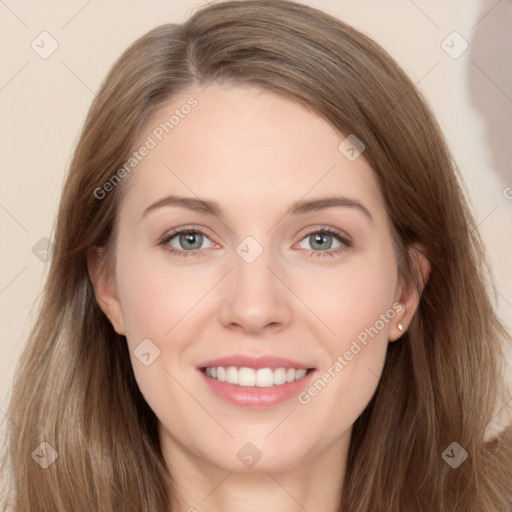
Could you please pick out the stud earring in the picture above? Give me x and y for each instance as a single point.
(400, 327)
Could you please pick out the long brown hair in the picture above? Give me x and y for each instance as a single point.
(442, 382)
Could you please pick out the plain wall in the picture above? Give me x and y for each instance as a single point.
(43, 103)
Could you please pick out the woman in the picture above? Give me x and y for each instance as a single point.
(325, 342)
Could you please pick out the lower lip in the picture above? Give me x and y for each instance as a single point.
(251, 397)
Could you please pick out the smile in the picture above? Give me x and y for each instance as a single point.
(249, 377)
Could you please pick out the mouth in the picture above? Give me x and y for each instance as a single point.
(252, 377)
(256, 388)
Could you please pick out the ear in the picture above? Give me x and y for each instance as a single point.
(408, 295)
(105, 289)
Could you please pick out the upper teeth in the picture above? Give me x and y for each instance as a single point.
(262, 378)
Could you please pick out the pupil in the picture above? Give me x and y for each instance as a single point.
(321, 240)
(191, 238)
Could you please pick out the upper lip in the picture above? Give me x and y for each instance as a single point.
(241, 360)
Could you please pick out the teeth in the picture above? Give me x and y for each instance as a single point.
(262, 378)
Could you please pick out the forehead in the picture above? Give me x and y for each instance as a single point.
(244, 147)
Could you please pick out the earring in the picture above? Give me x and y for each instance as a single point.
(400, 327)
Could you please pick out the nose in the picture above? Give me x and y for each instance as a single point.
(255, 296)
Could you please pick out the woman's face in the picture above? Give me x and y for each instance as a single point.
(267, 269)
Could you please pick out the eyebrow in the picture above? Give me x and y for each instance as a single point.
(209, 207)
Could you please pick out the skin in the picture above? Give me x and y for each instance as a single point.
(255, 153)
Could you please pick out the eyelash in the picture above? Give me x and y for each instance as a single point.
(339, 235)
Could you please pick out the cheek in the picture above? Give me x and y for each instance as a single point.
(154, 301)
(359, 309)
(154, 297)
(356, 298)
(146, 306)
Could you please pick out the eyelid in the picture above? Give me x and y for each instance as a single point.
(344, 238)
(171, 233)
(319, 228)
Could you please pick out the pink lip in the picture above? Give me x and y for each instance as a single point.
(254, 397)
(255, 363)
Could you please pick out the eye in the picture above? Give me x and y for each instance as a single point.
(185, 242)
(189, 242)
(321, 242)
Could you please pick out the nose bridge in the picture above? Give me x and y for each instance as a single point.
(251, 261)
(255, 297)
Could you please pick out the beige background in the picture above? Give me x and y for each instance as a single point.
(43, 103)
